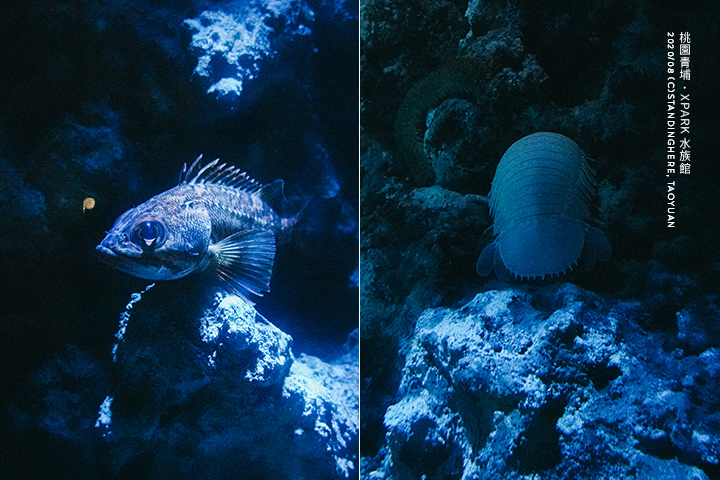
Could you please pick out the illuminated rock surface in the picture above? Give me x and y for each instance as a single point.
(596, 73)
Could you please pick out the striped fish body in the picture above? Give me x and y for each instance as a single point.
(216, 218)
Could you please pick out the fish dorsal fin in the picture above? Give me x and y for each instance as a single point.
(215, 174)
(244, 261)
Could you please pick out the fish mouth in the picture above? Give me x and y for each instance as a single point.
(108, 256)
(105, 252)
(150, 268)
(114, 259)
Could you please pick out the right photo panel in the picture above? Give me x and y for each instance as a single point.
(539, 240)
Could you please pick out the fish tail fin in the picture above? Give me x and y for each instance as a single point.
(273, 194)
(287, 222)
(289, 213)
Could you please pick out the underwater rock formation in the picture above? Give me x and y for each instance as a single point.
(247, 404)
(233, 41)
(221, 394)
(325, 399)
(595, 73)
(240, 339)
(556, 382)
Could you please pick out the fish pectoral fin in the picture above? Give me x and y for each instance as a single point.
(244, 261)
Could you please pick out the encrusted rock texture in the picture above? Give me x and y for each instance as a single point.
(552, 381)
(602, 386)
(201, 388)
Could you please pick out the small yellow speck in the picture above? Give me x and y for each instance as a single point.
(88, 204)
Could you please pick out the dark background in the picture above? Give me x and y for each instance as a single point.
(595, 72)
(99, 99)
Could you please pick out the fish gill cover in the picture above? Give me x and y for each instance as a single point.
(104, 102)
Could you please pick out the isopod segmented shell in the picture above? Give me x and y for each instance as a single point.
(540, 202)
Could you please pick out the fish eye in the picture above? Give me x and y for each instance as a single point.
(149, 234)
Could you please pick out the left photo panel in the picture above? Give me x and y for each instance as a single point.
(179, 202)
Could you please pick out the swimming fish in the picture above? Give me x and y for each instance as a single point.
(216, 218)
